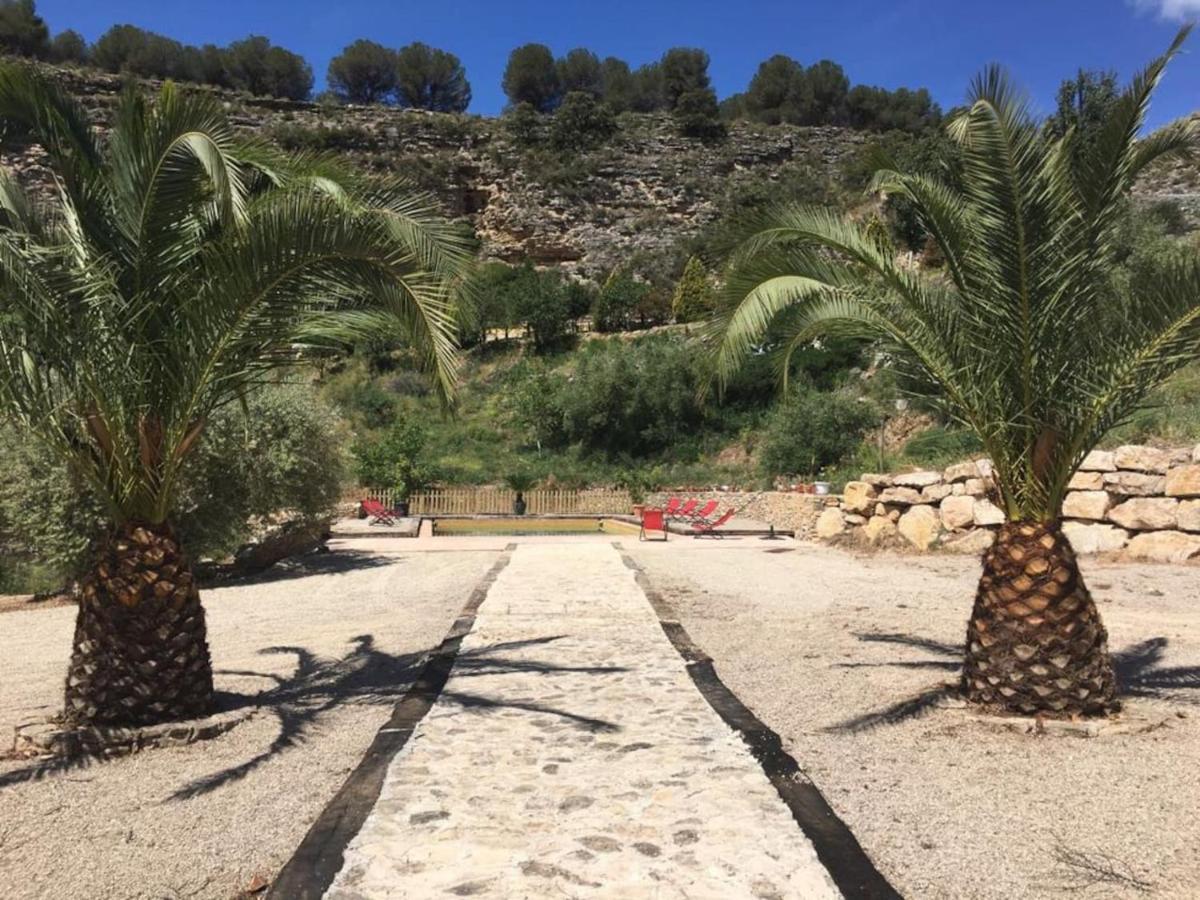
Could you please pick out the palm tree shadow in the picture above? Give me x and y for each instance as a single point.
(304, 701)
(314, 563)
(1138, 669)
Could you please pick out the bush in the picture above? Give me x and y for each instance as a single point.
(523, 125)
(939, 446)
(693, 298)
(697, 115)
(617, 303)
(533, 400)
(376, 406)
(632, 399)
(47, 515)
(285, 455)
(396, 461)
(291, 136)
(810, 430)
(581, 123)
(22, 31)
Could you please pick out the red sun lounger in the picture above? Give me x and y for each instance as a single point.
(701, 515)
(673, 505)
(653, 520)
(685, 511)
(379, 514)
(709, 529)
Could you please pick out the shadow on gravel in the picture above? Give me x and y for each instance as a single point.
(366, 675)
(329, 562)
(1139, 674)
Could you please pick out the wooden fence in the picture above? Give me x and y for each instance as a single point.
(499, 501)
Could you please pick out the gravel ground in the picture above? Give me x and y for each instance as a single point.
(331, 645)
(950, 805)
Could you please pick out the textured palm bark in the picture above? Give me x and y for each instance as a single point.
(140, 654)
(1035, 643)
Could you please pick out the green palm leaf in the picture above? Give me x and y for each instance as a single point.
(179, 265)
(1024, 333)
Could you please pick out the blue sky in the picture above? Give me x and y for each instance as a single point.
(937, 44)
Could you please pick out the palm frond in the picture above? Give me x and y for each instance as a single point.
(1030, 340)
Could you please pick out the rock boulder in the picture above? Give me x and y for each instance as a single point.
(1146, 513)
(1164, 546)
(919, 526)
(1086, 505)
(1089, 538)
(1142, 459)
(1183, 481)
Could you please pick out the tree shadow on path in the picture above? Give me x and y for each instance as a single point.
(303, 701)
(1139, 670)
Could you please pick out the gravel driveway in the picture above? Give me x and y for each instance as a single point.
(325, 650)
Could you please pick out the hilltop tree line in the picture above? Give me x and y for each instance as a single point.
(783, 90)
(417, 76)
(253, 64)
(425, 77)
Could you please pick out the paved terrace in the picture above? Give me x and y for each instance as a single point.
(571, 755)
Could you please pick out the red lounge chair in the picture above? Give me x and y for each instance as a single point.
(379, 514)
(709, 529)
(702, 514)
(685, 511)
(673, 505)
(653, 520)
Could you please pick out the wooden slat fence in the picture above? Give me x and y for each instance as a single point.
(499, 501)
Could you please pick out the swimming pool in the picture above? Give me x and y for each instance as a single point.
(445, 526)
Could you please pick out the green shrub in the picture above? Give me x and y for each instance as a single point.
(810, 430)
(47, 515)
(377, 406)
(533, 400)
(291, 136)
(282, 453)
(694, 296)
(697, 115)
(617, 303)
(632, 398)
(397, 461)
(581, 123)
(524, 125)
(939, 446)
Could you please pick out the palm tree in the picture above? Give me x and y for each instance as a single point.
(172, 267)
(1029, 338)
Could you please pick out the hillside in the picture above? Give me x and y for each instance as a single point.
(645, 191)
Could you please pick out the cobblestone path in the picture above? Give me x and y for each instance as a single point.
(570, 755)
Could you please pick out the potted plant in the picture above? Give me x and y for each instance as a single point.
(638, 484)
(520, 482)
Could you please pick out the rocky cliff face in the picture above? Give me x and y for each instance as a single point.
(643, 192)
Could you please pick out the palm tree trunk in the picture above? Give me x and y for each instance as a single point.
(1035, 643)
(141, 653)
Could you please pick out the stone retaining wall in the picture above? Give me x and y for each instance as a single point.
(786, 510)
(1142, 502)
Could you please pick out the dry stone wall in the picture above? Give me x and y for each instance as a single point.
(1141, 502)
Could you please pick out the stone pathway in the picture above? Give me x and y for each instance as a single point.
(570, 755)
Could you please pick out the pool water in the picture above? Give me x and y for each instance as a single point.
(531, 525)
